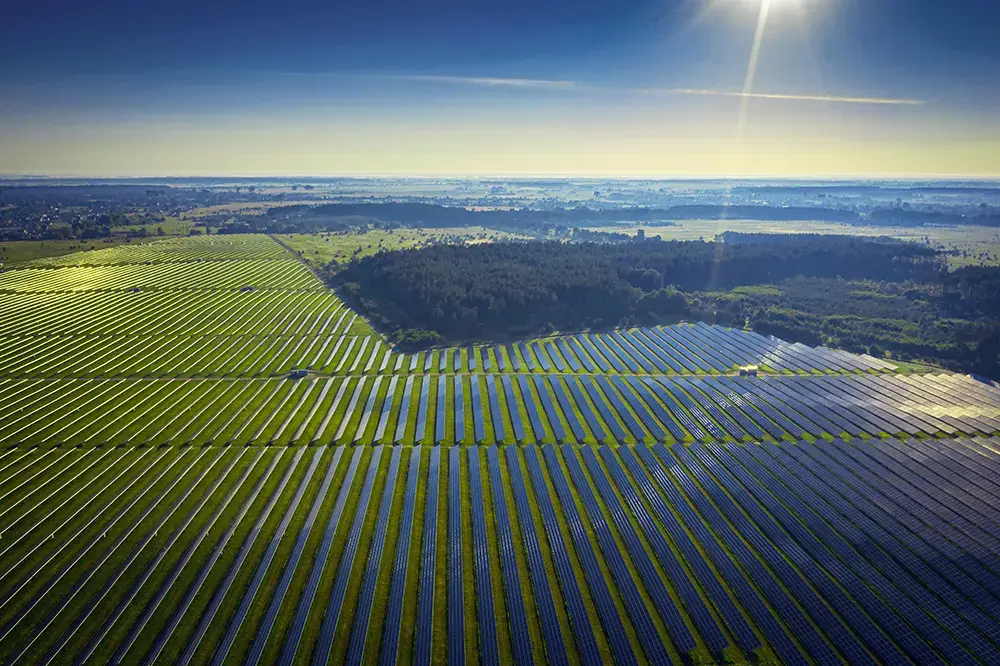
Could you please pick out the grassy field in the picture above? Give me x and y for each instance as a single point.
(965, 245)
(323, 248)
(16, 252)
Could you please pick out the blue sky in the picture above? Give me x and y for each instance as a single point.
(116, 87)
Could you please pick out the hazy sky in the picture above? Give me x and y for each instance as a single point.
(842, 87)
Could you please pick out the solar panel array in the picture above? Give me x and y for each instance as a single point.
(872, 551)
(168, 495)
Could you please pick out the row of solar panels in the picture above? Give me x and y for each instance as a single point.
(831, 591)
(872, 551)
(681, 349)
(645, 409)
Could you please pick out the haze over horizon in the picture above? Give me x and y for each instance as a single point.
(842, 89)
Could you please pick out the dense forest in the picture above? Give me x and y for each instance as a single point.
(873, 295)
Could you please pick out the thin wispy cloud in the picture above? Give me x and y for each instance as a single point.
(554, 84)
(494, 82)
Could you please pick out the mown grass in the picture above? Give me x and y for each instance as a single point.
(15, 252)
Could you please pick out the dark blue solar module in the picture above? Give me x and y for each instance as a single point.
(397, 586)
(529, 361)
(550, 410)
(422, 406)
(803, 554)
(650, 402)
(553, 354)
(574, 365)
(537, 427)
(974, 581)
(846, 642)
(703, 620)
(640, 409)
(567, 407)
(236, 621)
(520, 637)
(599, 359)
(211, 610)
(611, 621)
(653, 358)
(555, 650)
(659, 390)
(294, 633)
(542, 357)
(478, 419)
(574, 344)
(404, 411)
(628, 352)
(649, 638)
(512, 408)
(383, 419)
(677, 395)
(456, 594)
(738, 581)
(679, 632)
(863, 523)
(515, 362)
(459, 404)
(496, 415)
(335, 604)
(819, 538)
(187, 597)
(723, 415)
(424, 631)
(366, 597)
(486, 620)
(501, 362)
(609, 418)
(599, 342)
(704, 575)
(588, 414)
(440, 421)
(776, 592)
(281, 589)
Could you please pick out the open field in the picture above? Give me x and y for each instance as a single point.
(17, 252)
(168, 495)
(323, 248)
(966, 245)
